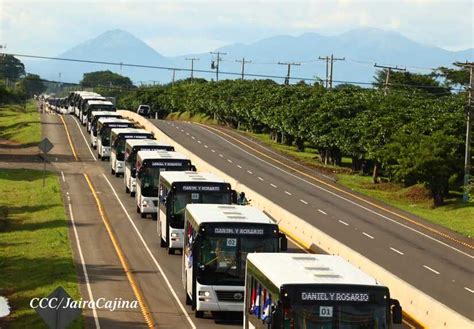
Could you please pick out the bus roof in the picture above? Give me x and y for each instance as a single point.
(293, 268)
(118, 131)
(99, 102)
(144, 142)
(171, 177)
(106, 114)
(160, 155)
(110, 119)
(215, 213)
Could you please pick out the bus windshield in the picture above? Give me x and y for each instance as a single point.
(350, 316)
(222, 258)
(180, 200)
(105, 136)
(119, 147)
(150, 177)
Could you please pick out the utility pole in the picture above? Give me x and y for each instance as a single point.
(174, 74)
(387, 78)
(192, 66)
(332, 64)
(243, 61)
(467, 154)
(216, 65)
(287, 79)
(326, 81)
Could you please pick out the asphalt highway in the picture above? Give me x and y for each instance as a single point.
(436, 261)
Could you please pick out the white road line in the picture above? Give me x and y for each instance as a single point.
(322, 212)
(368, 235)
(206, 146)
(432, 270)
(229, 160)
(273, 185)
(239, 166)
(287, 192)
(342, 222)
(187, 134)
(85, 140)
(62, 176)
(221, 155)
(397, 251)
(302, 201)
(170, 287)
(199, 142)
(213, 151)
(193, 137)
(260, 178)
(182, 130)
(84, 269)
(251, 173)
(470, 290)
(341, 197)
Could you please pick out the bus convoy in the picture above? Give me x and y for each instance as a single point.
(233, 256)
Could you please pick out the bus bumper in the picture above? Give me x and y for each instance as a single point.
(176, 238)
(147, 205)
(207, 298)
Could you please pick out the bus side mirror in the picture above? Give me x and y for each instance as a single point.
(193, 168)
(233, 196)
(396, 311)
(283, 241)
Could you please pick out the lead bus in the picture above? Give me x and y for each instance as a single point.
(216, 243)
(118, 137)
(104, 127)
(179, 188)
(132, 146)
(149, 166)
(300, 291)
(96, 115)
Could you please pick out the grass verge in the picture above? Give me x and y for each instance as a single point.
(20, 125)
(455, 215)
(35, 251)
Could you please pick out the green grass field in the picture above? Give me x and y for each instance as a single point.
(35, 251)
(20, 125)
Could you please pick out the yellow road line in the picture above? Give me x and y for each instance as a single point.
(73, 149)
(131, 279)
(432, 230)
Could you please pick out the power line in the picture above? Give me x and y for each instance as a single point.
(192, 65)
(243, 61)
(287, 78)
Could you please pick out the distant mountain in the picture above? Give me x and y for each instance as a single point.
(360, 47)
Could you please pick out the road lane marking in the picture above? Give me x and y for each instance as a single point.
(251, 173)
(344, 192)
(229, 160)
(322, 212)
(84, 269)
(62, 176)
(470, 290)
(193, 137)
(199, 142)
(71, 145)
(302, 201)
(182, 130)
(368, 235)
(260, 178)
(288, 193)
(160, 269)
(206, 146)
(221, 155)
(85, 140)
(397, 251)
(239, 166)
(273, 185)
(123, 260)
(187, 134)
(213, 151)
(343, 222)
(430, 269)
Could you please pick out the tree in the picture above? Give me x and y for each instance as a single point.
(105, 79)
(31, 85)
(11, 68)
(453, 77)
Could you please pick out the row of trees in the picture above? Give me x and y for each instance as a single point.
(415, 134)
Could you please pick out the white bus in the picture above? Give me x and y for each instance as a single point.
(96, 106)
(217, 239)
(84, 98)
(118, 137)
(314, 291)
(179, 188)
(95, 115)
(132, 147)
(149, 165)
(104, 126)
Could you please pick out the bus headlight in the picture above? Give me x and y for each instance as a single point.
(134, 183)
(174, 235)
(119, 164)
(144, 203)
(204, 293)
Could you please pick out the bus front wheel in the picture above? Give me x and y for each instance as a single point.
(171, 251)
(199, 314)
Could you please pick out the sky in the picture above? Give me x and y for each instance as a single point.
(48, 28)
